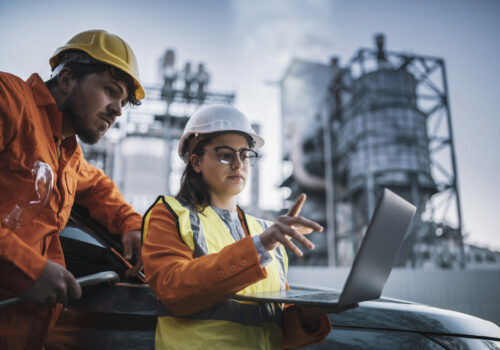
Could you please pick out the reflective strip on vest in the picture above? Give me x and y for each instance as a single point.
(234, 311)
(279, 253)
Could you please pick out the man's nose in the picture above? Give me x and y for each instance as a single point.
(115, 109)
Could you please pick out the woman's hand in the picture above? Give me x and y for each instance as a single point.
(290, 226)
(310, 315)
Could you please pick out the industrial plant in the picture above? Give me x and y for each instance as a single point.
(381, 120)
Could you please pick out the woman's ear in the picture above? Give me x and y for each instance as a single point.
(195, 162)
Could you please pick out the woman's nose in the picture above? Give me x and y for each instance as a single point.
(237, 163)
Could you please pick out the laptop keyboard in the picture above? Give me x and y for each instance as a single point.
(316, 296)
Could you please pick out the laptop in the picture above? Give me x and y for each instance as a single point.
(372, 264)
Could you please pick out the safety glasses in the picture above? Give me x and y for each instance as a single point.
(227, 155)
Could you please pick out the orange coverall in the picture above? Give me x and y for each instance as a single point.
(30, 130)
(185, 284)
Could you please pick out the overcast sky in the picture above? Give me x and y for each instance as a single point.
(247, 45)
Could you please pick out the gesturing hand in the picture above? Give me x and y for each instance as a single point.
(290, 226)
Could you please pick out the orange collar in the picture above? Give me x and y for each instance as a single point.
(44, 98)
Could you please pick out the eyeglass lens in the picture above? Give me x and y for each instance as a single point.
(227, 155)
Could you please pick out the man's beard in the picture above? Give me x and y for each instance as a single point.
(70, 110)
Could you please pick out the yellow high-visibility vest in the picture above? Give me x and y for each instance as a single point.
(231, 324)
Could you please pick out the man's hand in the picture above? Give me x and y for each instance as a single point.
(55, 285)
(131, 241)
(290, 226)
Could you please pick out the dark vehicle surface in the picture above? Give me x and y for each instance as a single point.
(123, 316)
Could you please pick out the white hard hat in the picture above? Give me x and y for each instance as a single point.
(216, 118)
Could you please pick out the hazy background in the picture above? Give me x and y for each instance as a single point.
(247, 45)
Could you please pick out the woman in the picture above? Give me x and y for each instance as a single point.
(200, 247)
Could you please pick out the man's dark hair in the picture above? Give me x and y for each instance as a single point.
(80, 70)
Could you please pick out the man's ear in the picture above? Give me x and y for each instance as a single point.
(195, 162)
(66, 80)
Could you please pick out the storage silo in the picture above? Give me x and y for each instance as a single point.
(381, 142)
(383, 120)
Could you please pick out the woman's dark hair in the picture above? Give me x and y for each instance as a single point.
(194, 190)
(80, 70)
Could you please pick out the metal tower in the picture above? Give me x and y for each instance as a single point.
(383, 121)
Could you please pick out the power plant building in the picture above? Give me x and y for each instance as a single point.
(382, 120)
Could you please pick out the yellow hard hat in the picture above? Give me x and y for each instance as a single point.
(106, 48)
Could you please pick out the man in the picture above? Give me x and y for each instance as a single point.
(43, 172)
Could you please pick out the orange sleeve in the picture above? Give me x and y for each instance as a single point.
(295, 336)
(20, 265)
(97, 192)
(10, 107)
(185, 284)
